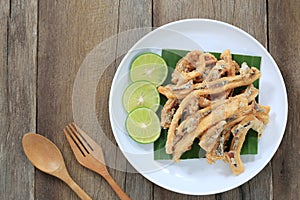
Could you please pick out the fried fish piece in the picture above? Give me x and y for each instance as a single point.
(247, 76)
(193, 66)
(168, 112)
(239, 132)
(177, 130)
(225, 111)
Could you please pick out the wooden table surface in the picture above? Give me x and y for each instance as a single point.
(43, 44)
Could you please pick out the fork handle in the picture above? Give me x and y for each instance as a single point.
(119, 191)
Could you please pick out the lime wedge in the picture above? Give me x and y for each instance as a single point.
(150, 67)
(141, 94)
(143, 125)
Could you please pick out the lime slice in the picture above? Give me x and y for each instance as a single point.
(141, 94)
(150, 67)
(143, 125)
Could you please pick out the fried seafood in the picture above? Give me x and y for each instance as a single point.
(168, 111)
(246, 77)
(194, 66)
(201, 104)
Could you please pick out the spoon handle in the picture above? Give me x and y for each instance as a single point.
(76, 188)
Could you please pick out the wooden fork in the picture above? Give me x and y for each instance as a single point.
(89, 154)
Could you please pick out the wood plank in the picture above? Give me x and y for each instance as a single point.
(131, 28)
(58, 62)
(68, 30)
(233, 12)
(284, 20)
(161, 193)
(18, 39)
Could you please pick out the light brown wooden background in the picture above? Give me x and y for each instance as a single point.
(42, 44)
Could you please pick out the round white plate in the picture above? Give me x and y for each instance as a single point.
(196, 176)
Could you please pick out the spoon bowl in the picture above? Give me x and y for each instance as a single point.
(45, 156)
(42, 153)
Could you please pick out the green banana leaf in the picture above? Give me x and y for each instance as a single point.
(250, 146)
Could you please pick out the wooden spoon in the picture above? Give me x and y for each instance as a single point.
(45, 156)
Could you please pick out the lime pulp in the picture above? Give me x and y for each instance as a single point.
(143, 125)
(141, 94)
(150, 67)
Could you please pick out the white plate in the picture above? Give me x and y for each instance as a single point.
(196, 176)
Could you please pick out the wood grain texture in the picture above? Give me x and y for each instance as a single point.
(42, 45)
(284, 45)
(18, 40)
(236, 13)
(242, 13)
(131, 27)
(68, 30)
(135, 17)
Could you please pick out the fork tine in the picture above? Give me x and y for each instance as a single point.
(76, 147)
(77, 152)
(97, 150)
(89, 141)
(78, 137)
(82, 136)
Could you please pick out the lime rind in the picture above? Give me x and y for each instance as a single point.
(143, 125)
(146, 140)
